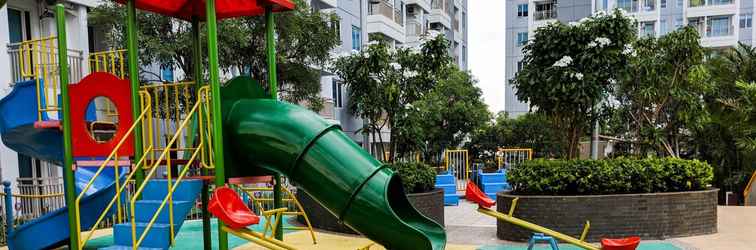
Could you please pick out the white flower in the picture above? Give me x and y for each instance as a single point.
(374, 77)
(612, 81)
(599, 13)
(371, 43)
(577, 75)
(408, 106)
(628, 51)
(564, 62)
(583, 20)
(354, 52)
(410, 74)
(603, 41)
(573, 23)
(592, 44)
(396, 66)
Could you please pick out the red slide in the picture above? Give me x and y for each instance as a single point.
(474, 194)
(629, 243)
(229, 208)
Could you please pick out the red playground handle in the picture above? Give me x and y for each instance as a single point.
(229, 208)
(629, 243)
(473, 193)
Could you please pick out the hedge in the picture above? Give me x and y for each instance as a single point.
(612, 176)
(416, 177)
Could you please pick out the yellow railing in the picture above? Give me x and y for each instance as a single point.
(144, 120)
(113, 62)
(747, 190)
(263, 202)
(513, 156)
(460, 160)
(197, 111)
(172, 102)
(38, 60)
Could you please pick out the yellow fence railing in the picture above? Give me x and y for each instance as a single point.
(458, 162)
(112, 61)
(183, 129)
(747, 191)
(38, 60)
(112, 160)
(263, 199)
(513, 156)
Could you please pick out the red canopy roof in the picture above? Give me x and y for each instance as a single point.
(185, 9)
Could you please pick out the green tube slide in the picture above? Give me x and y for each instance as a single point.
(268, 135)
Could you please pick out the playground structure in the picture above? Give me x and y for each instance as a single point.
(474, 194)
(144, 157)
(510, 157)
(457, 163)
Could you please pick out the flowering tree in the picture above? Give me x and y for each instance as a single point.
(568, 69)
(383, 82)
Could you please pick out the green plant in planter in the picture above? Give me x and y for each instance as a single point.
(416, 177)
(613, 176)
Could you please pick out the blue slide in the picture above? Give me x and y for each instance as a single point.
(18, 112)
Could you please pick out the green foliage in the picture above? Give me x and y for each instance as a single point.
(615, 176)
(444, 117)
(568, 70)
(531, 130)
(241, 45)
(416, 177)
(661, 99)
(384, 84)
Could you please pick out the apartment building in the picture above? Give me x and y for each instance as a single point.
(721, 23)
(400, 23)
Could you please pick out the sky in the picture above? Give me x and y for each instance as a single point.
(486, 46)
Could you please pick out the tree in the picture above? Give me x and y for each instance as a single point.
(444, 117)
(728, 139)
(531, 130)
(241, 45)
(661, 97)
(382, 82)
(568, 70)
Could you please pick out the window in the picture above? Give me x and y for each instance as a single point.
(166, 73)
(464, 20)
(519, 65)
(663, 27)
(647, 29)
(337, 90)
(746, 21)
(522, 10)
(18, 25)
(627, 5)
(464, 53)
(356, 38)
(679, 3)
(678, 23)
(719, 2)
(336, 26)
(718, 26)
(522, 38)
(663, 4)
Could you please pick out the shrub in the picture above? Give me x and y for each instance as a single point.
(416, 177)
(613, 176)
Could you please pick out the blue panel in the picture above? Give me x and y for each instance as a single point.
(20, 107)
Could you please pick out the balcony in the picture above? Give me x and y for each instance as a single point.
(423, 4)
(324, 4)
(704, 3)
(715, 31)
(414, 28)
(385, 9)
(455, 24)
(545, 11)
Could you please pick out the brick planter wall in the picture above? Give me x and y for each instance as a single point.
(431, 204)
(650, 216)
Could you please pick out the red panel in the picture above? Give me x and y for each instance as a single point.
(118, 91)
(185, 9)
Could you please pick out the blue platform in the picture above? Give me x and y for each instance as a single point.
(491, 183)
(159, 235)
(448, 183)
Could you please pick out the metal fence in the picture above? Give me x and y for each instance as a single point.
(18, 63)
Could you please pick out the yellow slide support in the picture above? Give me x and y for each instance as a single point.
(509, 218)
(262, 202)
(747, 191)
(260, 238)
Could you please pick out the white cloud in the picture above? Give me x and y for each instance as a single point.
(486, 49)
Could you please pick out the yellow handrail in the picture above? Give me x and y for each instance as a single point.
(747, 190)
(197, 109)
(292, 199)
(112, 61)
(38, 60)
(113, 156)
(501, 158)
(459, 153)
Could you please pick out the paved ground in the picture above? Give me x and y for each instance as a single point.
(737, 230)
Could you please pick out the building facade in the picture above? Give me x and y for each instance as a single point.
(721, 23)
